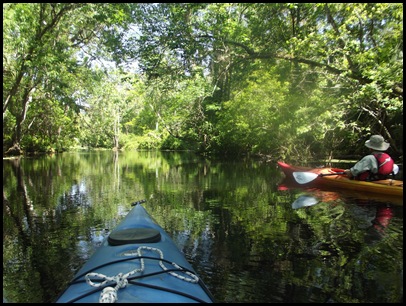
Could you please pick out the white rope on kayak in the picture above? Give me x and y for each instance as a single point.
(109, 294)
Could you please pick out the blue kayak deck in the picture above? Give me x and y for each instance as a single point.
(153, 270)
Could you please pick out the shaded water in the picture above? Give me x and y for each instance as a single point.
(232, 219)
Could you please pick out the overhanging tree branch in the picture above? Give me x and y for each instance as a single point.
(355, 75)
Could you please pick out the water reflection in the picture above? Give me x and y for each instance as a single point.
(236, 227)
(304, 201)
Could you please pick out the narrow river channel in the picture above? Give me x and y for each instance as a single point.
(250, 238)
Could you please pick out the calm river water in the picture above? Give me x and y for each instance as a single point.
(244, 232)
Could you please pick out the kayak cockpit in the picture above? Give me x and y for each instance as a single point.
(134, 235)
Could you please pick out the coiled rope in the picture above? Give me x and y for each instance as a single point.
(109, 294)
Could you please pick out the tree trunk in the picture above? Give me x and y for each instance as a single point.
(15, 149)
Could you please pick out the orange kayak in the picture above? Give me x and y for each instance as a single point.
(334, 177)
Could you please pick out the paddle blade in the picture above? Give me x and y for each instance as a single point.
(304, 177)
(395, 169)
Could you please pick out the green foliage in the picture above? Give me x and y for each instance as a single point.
(267, 117)
(9, 122)
(149, 141)
(327, 53)
(177, 107)
(113, 106)
(49, 127)
(303, 79)
(247, 121)
(173, 143)
(42, 41)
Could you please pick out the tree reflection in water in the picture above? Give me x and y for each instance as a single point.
(234, 225)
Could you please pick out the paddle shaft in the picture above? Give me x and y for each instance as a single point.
(326, 174)
(306, 177)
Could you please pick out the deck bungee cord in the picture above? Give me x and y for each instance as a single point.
(104, 283)
(130, 267)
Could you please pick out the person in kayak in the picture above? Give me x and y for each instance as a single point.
(375, 166)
